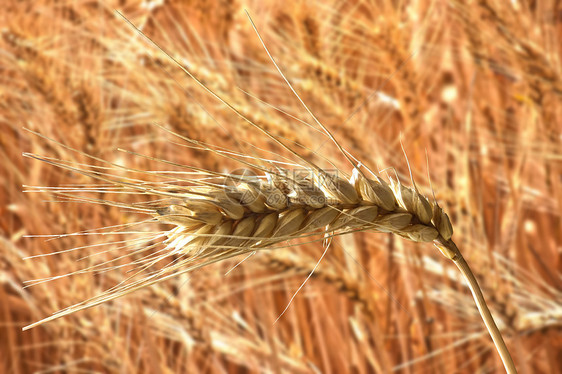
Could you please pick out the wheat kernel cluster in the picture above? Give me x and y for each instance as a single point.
(255, 212)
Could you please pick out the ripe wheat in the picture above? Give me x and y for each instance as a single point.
(218, 216)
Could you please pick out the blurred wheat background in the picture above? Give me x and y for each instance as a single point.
(477, 84)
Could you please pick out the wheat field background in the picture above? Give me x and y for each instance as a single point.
(477, 84)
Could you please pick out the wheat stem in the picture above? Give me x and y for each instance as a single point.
(450, 250)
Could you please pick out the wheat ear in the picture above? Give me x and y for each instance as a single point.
(221, 216)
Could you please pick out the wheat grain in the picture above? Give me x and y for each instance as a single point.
(262, 213)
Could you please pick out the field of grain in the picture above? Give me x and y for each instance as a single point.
(477, 86)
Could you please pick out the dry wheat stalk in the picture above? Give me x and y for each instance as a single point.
(218, 216)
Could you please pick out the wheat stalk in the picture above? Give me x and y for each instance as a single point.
(219, 216)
